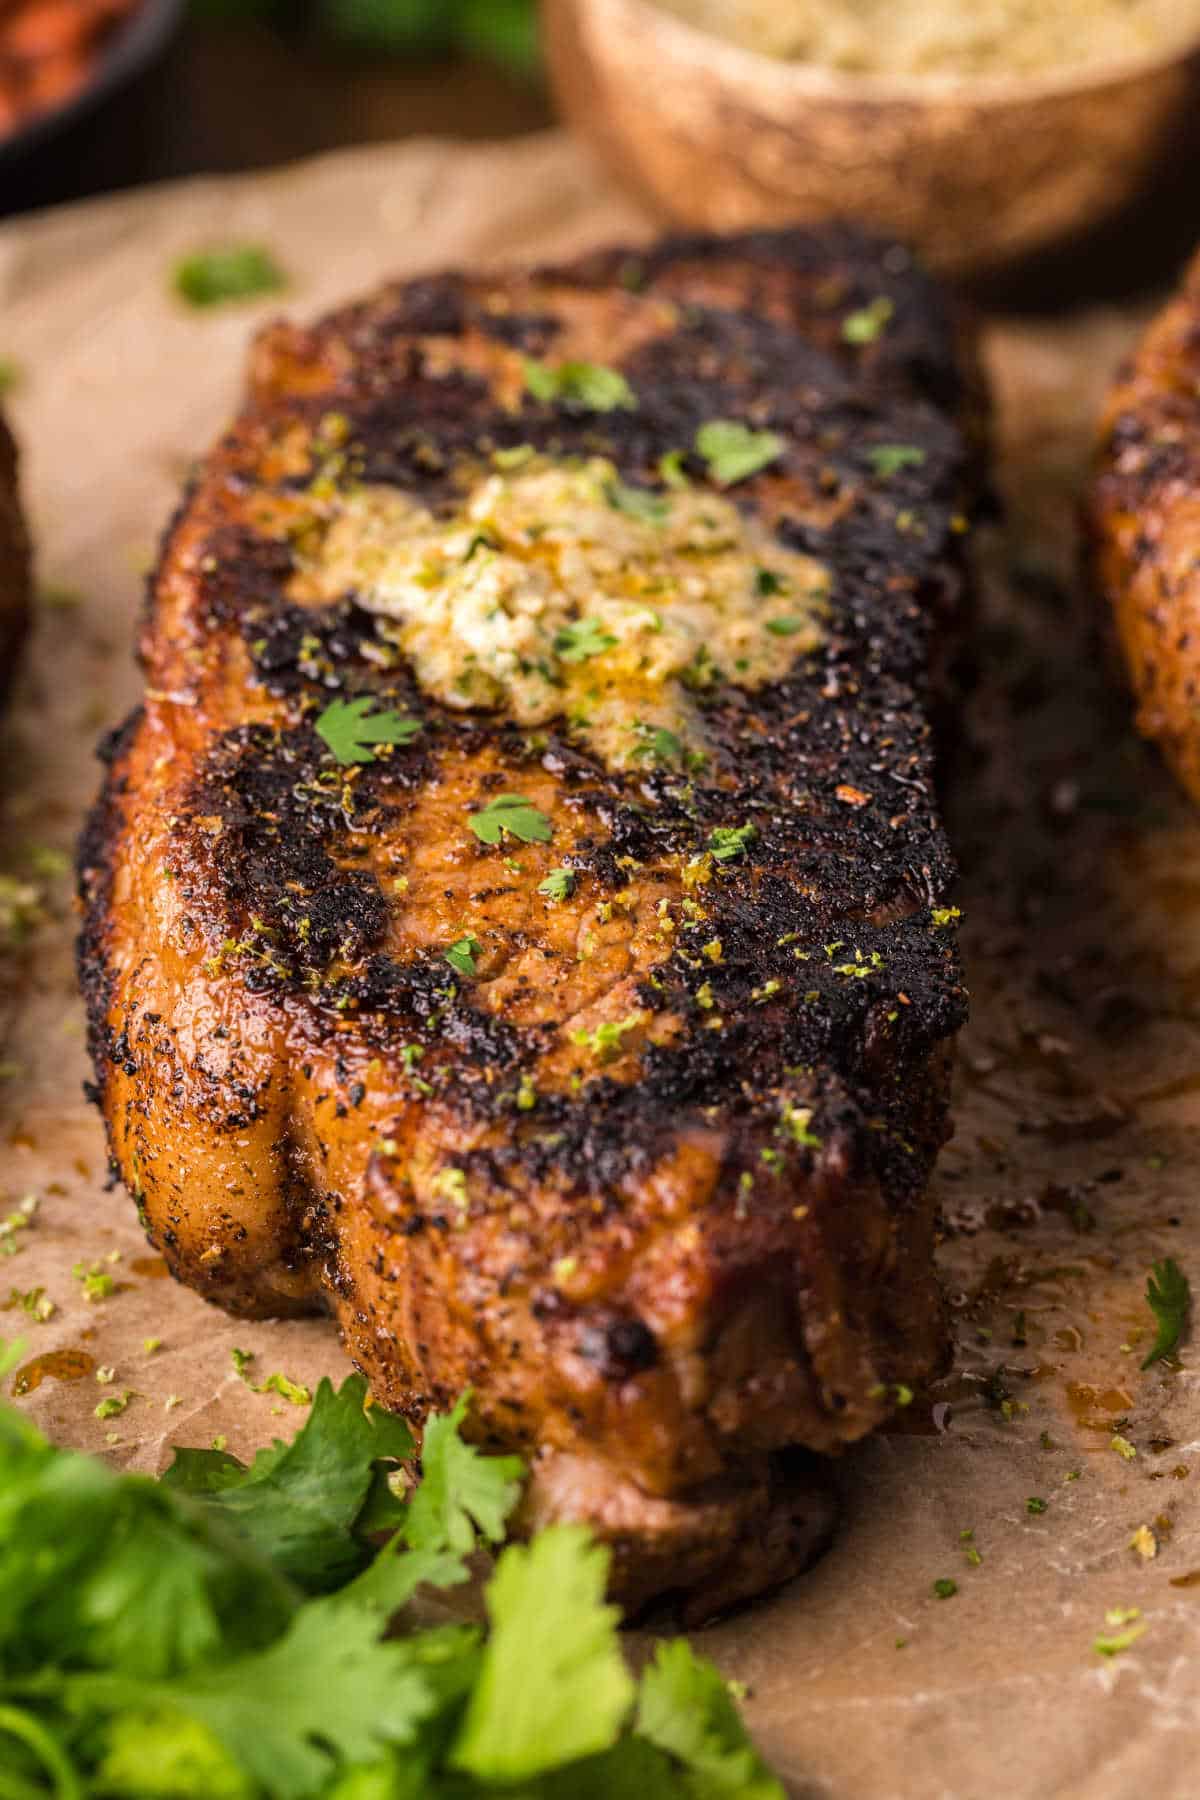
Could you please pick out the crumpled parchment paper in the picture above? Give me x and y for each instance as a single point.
(1077, 1156)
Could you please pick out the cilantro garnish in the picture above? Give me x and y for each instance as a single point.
(558, 885)
(865, 325)
(1114, 1640)
(671, 470)
(584, 386)
(945, 1587)
(728, 841)
(234, 272)
(511, 813)
(547, 1609)
(887, 459)
(352, 731)
(233, 1631)
(605, 1040)
(638, 503)
(461, 955)
(733, 451)
(768, 582)
(786, 625)
(655, 741)
(1168, 1295)
(582, 639)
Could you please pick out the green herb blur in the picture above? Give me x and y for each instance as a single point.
(504, 32)
(236, 1633)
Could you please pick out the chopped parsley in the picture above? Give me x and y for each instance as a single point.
(786, 625)
(889, 459)
(461, 955)
(581, 386)
(352, 731)
(729, 841)
(582, 639)
(945, 1587)
(234, 272)
(511, 814)
(768, 582)
(865, 325)
(1168, 1295)
(733, 451)
(1035, 1504)
(559, 884)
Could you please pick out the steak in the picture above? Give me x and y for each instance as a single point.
(1144, 519)
(517, 919)
(15, 572)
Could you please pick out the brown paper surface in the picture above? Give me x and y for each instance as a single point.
(1076, 1161)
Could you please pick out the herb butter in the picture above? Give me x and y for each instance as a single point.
(917, 37)
(555, 589)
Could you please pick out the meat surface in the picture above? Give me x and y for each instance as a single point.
(1144, 519)
(621, 1113)
(15, 574)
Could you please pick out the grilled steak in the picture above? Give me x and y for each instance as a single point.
(1145, 527)
(587, 1043)
(14, 561)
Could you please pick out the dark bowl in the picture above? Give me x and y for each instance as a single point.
(131, 49)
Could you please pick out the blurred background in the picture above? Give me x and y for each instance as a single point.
(1065, 176)
(221, 85)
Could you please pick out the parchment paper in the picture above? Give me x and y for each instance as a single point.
(1077, 1156)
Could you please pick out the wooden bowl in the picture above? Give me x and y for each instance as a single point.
(975, 173)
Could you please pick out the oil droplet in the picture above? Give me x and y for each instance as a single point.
(1095, 1408)
(60, 1365)
(154, 1268)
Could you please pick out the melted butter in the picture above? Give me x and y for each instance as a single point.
(554, 589)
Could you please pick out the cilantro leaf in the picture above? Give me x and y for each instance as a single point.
(582, 639)
(727, 841)
(733, 451)
(330, 1688)
(1168, 1295)
(101, 1570)
(887, 459)
(865, 325)
(638, 503)
(461, 955)
(558, 885)
(298, 1503)
(786, 625)
(461, 1491)
(351, 730)
(553, 1684)
(514, 814)
(671, 469)
(233, 272)
(685, 1709)
(149, 1650)
(580, 386)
